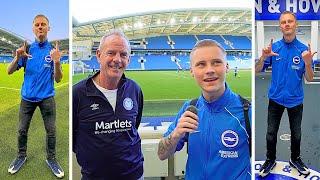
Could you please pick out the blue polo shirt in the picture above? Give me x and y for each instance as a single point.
(287, 73)
(38, 81)
(220, 149)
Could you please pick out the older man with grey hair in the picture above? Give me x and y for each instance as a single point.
(107, 110)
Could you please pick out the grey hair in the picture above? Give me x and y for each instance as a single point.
(115, 32)
(207, 43)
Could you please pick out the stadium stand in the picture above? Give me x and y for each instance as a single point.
(183, 42)
(160, 42)
(5, 58)
(239, 42)
(155, 53)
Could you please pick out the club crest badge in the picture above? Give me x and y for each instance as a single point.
(229, 138)
(128, 104)
(296, 60)
(48, 58)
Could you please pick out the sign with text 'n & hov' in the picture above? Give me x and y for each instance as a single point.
(271, 9)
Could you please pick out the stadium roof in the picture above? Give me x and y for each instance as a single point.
(9, 41)
(211, 21)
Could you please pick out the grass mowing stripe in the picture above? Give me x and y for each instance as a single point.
(165, 91)
(35, 167)
(20, 89)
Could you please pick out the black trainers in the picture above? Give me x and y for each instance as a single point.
(55, 168)
(267, 166)
(299, 165)
(16, 164)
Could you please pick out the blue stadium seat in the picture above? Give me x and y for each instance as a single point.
(239, 42)
(217, 38)
(160, 42)
(92, 63)
(134, 63)
(5, 58)
(183, 41)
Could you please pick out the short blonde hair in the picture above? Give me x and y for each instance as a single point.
(40, 15)
(288, 12)
(207, 43)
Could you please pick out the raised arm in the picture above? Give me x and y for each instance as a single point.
(307, 58)
(266, 52)
(20, 53)
(56, 55)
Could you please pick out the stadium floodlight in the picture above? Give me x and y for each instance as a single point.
(172, 21)
(3, 39)
(158, 22)
(125, 27)
(214, 19)
(195, 19)
(138, 24)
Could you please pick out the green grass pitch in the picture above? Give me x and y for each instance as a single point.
(35, 166)
(165, 91)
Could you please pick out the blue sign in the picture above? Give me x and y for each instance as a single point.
(271, 9)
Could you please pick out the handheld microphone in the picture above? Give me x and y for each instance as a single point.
(194, 110)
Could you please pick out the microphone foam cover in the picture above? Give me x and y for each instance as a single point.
(192, 109)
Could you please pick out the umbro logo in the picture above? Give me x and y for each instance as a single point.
(94, 106)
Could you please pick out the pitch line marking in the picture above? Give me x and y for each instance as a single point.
(62, 85)
(16, 89)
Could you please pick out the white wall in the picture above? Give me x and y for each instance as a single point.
(318, 54)
(275, 33)
(271, 30)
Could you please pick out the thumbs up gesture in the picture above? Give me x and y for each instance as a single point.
(22, 51)
(55, 53)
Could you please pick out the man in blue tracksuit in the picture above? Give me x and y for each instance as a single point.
(41, 63)
(290, 60)
(107, 110)
(218, 143)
